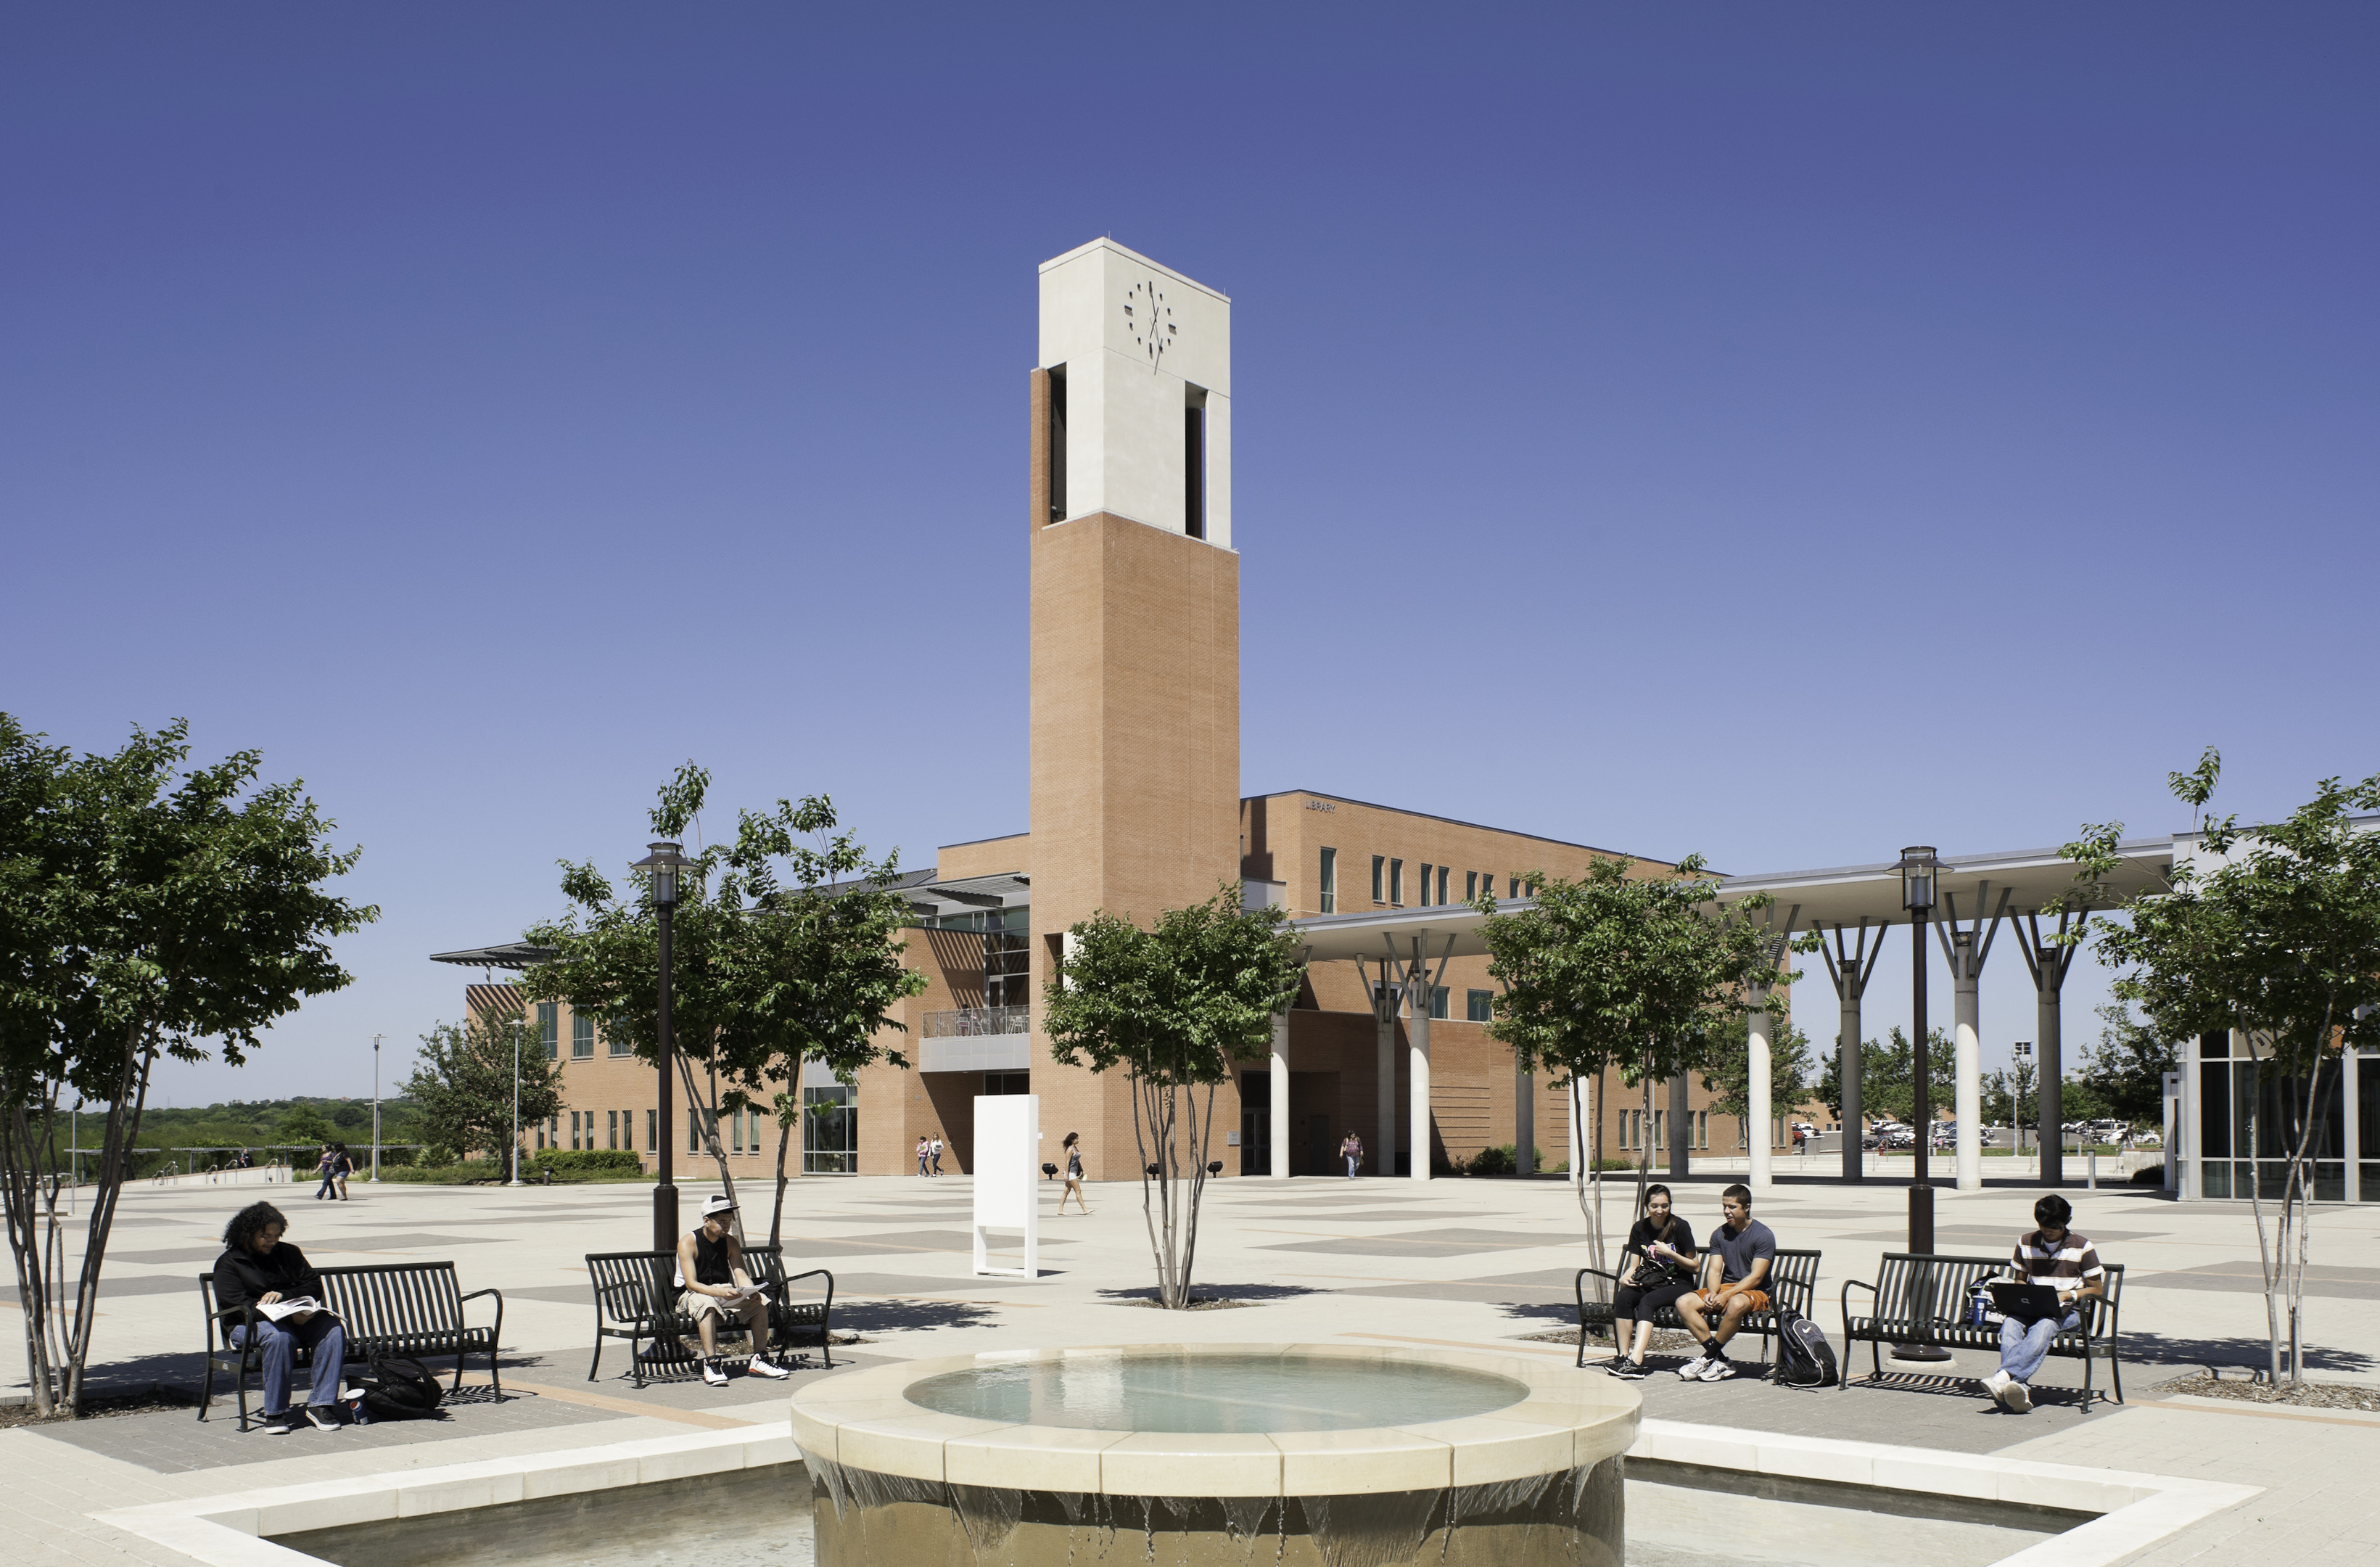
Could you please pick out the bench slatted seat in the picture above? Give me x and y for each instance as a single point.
(1792, 1283)
(1921, 1297)
(391, 1308)
(636, 1299)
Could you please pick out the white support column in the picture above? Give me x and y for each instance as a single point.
(1278, 1112)
(1418, 1032)
(1968, 1084)
(1384, 1008)
(1757, 1111)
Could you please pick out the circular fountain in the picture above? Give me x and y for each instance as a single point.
(1297, 1455)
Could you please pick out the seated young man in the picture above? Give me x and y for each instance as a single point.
(2054, 1256)
(258, 1268)
(710, 1272)
(1747, 1252)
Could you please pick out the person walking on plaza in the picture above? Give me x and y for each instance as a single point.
(342, 1166)
(2057, 1257)
(925, 1152)
(259, 1269)
(1747, 1252)
(1352, 1150)
(710, 1272)
(1074, 1150)
(1664, 1244)
(326, 1165)
(937, 1150)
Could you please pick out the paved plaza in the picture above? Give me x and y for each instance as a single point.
(1467, 1264)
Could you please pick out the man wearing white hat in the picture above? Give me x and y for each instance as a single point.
(710, 1272)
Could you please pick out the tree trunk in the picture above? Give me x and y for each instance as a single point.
(1144, 1125)
(786, 1118)
(33, 1233)
(1587, 1134)
(132, 1084)
(1202, 1136)
(2256, 1206)
(1645, 1140)
(709, 1106)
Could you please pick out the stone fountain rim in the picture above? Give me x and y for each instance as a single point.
(1571, 1419)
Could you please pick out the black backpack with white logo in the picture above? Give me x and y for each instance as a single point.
(397, 1388)
(1804, 1359)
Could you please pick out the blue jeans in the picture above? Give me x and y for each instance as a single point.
(318, 1332)
(2023, 1348)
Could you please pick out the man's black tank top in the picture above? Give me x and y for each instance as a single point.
(711, 1263)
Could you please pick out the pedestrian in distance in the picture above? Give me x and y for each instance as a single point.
(1073, 1151)
(343, 1165)
(925, 1152)
(1352, 1150)
(1664, 1244)
(325, 1166)
(938, 1156)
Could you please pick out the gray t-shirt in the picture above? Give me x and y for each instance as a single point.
(1739, 1250)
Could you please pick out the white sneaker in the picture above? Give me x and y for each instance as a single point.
(1691, 1371)
(1998, 1385)
(1718, 1369)
(713, 1374)
(761, 1366)
(2019, 1397)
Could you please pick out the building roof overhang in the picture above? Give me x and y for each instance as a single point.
(512, 955)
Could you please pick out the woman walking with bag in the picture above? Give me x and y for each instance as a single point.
(1074, 1150)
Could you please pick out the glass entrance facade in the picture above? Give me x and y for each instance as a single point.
(2238, 1119)
(831, 1130)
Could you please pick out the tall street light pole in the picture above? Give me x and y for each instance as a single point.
(664, 863)
(1918, 866)
(375, 1174)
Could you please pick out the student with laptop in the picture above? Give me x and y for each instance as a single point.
(2052, 1272)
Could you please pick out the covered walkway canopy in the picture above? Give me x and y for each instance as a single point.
(1848, 907)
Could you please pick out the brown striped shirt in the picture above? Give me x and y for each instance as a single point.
(2068, 1265)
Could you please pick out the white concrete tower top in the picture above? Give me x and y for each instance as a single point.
(1144, 358)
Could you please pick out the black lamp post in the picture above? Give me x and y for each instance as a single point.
(663, 864)
(1918, 866)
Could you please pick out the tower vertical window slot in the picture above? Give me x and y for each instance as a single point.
(1327, 886)
(1193, 464)
(1057, 443)
(1396, 882)
(1379, 864)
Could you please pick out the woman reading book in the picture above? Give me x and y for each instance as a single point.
(261, 1274)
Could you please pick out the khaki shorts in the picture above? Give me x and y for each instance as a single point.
(698, 1305)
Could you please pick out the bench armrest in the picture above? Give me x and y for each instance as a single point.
(499, 1310)
(1578, 1286)
(1849, 1285)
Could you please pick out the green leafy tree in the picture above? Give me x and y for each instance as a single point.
(1889, 1076)
(2009, 1096)
(304, 1123)
(1177, 1009)
(147, 909)
(784, 948)
(2125, 1071)
(463, 1081)
(1727, 1075)
(2274, 932)
(1616, 972)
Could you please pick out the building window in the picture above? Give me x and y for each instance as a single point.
(1479, 1005)
(611, 1129)
(1057, 443)
(1007, 968)
(574, 1131)
(1421, 892)
(1487, 884)
(582, 1035)
(546, 1031)
(1470, 885)
(831, 1130)
(1396, 882)
(1328, 884)
(1193, 466)
(1379, 863)
(617, 1045)
(1516, 888)
(1437, 1000)
(1441, 883)
(693, 1130)
(652, 1130)
(1008, 1082)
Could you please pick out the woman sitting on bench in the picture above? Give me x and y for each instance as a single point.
(1664, 1244)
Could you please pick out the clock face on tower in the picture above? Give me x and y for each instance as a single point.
(1150, 320)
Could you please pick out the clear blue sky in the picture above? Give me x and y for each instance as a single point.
(1784, 434)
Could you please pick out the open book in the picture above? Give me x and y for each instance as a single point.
(744, 1291)
(301, 1306)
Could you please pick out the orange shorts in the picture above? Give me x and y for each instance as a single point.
(1755, 1300)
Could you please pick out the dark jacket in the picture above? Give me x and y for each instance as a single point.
(242, 1276)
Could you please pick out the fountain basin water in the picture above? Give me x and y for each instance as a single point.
(1325, 1454)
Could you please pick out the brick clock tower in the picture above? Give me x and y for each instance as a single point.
(1135, 640)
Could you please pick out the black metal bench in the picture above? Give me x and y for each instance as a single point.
(1793, 1281)
(391, 1308)
(636, 1299)
(1921, 1297)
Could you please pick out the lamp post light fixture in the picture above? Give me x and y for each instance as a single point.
(662, 866)
(1919, 866)
(375, 1174)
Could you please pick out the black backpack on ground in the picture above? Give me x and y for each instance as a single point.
(1804, 1359)
(397, 1388)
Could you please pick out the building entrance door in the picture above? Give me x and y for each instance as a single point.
(1255, 1123)
(1319, 1149)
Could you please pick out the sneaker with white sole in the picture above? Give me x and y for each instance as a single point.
(1718, 1369)
(713, 1374)
(1998, 1385)
(1624, 1368)
(325, 1417)
(283, 1424)
(2019, 1397)
(1693, 1369)
(761, 1366)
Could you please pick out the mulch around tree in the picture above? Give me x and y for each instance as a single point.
(2303, 1395)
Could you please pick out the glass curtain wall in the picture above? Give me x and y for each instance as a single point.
(831, 1130)
(2249, 1117)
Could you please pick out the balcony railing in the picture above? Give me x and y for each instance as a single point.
(968, 1022)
